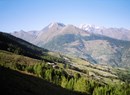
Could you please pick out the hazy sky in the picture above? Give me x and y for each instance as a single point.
(36, 14)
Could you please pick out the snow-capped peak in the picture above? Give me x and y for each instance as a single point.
(88, 27)
(85, 26)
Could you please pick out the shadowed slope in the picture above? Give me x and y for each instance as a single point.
(16, 83)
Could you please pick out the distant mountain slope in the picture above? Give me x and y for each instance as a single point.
(57, 30)
(27, 36)
(95, 48)
(56, 27)
(97, 45)
(19, 46)
(48, 32)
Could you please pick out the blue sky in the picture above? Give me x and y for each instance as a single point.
(36, 14)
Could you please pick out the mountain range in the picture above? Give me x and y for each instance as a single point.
(31, 70)
(98, 45)
(116, 33)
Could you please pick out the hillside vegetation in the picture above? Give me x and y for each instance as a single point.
(26, 71)
(59, 76)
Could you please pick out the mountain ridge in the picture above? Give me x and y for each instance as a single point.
(99, 46)
(117, 33)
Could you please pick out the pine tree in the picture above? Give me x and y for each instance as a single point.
(81, 85)
(48, 74)
(64, 82)
(70, 84)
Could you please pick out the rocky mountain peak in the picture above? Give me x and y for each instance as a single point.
(55, 24)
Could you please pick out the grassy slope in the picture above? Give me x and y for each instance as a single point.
(101, 73)
(28, 85)
(17, 82)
